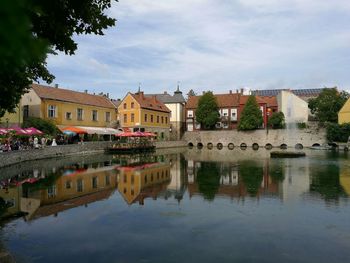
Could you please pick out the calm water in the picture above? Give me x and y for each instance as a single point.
(193, 206)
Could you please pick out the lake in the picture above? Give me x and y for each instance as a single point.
(189, 205)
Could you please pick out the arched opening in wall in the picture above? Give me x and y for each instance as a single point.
(199, 145)
(219, 146)
(231, 146)
(299, 146)
(316, 145)
(283, 146)
(190, 145)
(255, 146)
(243, 146)
(268, 146)
(210, 146)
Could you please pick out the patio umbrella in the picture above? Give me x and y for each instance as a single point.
(139, 134)
(19, 131)
(74, 129)
(149, 134)
(33, 131)
(69, 133)
(125, 134)
(3, 131)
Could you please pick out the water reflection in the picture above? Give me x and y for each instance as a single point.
(46, 191)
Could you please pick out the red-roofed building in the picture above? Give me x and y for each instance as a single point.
(230, 108)
(143, 113)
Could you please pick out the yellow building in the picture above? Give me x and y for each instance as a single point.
(12, 119)
(141, 113)
(68, 108)
(140, 182)
(344, 113)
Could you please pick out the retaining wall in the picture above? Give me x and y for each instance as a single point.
(14, 157)
(305, 137)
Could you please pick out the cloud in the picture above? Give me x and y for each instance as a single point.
(217, 45)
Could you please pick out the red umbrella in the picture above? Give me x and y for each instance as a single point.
(139, 134)
(125, 134)
(149, 134)
(19, 131)
(3, 131)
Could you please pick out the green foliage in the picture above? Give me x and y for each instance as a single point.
(252, 176)
(251, 117)
(208, 179)
(32, 29)
(327, 105)
(338, 132)
(207, 113)
(46, 126)
(277, 120)
(302, 125)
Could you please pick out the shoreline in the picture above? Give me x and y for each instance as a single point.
(87, 148)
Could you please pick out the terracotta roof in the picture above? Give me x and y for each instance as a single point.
(47, 92)
(270, 100)
(151, 103)
(223, 100)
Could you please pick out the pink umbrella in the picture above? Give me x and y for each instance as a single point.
(33, 131)
(125, 134)
(18, 131)
(139, 134)
(3, 131)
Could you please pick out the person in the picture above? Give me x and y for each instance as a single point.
(54, 142)
(43, 142)
(36, 143)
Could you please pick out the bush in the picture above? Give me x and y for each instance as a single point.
(276, 121)
(338, 132)
(46, 126)
(302, 125)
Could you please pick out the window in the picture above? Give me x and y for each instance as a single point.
(146, 118)
(157, 119)
(94, 115)
(132, 105)
(162, 119)
(68, 184)
(51, 191)
(132, 179)
(166, 120)
(80, 114)
(125, 179)
(233, 114)
(52, 111)
(125, 118)
(94, 182)
(225, 112)
(151, 118)
(68, 115)
(108, 116)
(124, 106)
(25, 111)
(108, 180)
(80, 185)
(132, 117)
(190, 113)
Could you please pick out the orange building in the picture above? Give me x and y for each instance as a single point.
(141, 113)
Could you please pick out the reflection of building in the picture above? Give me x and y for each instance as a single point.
(77, 187)
(177, 185)
(231, 183)
(344, 179)
(11, 197)
(139, 182)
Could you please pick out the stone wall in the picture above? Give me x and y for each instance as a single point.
(10, 158)
(306, 137)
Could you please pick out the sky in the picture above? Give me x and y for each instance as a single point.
(216, 45)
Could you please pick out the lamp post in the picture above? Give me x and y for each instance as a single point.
(267, 120)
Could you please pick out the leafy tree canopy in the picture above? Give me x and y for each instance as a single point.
(207, 113)
(277, 120)
(32, 29)
(46, 126)
(327, 105)
(251, 117)
(338, 132)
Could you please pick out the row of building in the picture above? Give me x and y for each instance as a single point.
(167, 115)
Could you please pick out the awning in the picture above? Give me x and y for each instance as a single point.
(91, 130)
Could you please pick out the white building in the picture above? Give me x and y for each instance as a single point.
(294, 108)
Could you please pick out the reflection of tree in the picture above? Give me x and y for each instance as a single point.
(252, 176)
(277, 172)
(208, 179)
(325, 181)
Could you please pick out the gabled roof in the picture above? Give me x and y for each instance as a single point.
(223, 100)
(151, 103)
(167, 98)
(47, 92)
(269, 100)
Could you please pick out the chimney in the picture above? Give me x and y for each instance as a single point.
(230, 91)
(154, 99)
(237, 91)
(203, 92)
(165, 92)
(86, 91)
(108, 95)
(242, 90)
(56, 85)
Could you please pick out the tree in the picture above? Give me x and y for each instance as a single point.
(46, 126)
(251, 117)
(327, 105)
(32, 29)
(338, 132)
(276, 121)
(207, 113)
